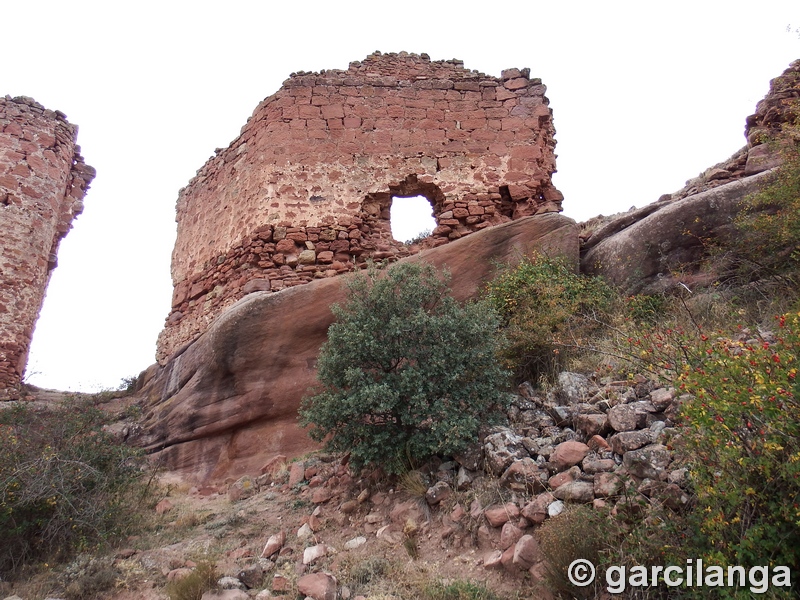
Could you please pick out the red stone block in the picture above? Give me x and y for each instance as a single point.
(308, 112)
(332, 111)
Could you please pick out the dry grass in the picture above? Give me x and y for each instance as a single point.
(578, 532)
(379, 578)
(413, 482)
(41, 586)
(194, 585)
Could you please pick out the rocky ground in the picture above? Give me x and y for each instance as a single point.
(310, 527)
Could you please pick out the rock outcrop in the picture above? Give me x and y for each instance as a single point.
(305, 191)
(650, 249)
(642, 250)
(43, 180)
(228, 401)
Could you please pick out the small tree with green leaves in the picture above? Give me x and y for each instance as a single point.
(407, 372)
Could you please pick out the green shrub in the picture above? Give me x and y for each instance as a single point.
(549, 312)
(95, 577)
(643, 308)
(406, 371)
(743, 433)
(740, 439)
(368, 570)
(422, 235)
(65, 484)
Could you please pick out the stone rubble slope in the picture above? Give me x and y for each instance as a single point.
(301, 525)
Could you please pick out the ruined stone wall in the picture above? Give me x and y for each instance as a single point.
(305, 191)
(43, 180)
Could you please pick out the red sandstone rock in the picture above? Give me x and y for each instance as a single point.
(457, 514)
(597, 444)
(507, 560)
(321, 495)
(592, 424)
(230, 399)
(178, 574)
(536, 510)
(313, 553)
(629, 417)
(496, 516)
(567, 476)
(239, 553)
(492, 560)
(568, 453)
(509, 535)
(163, 506)
(488, 537)
(606, 484)
(524, 475)
(319, 586)
(280, 583)
(526, 553)
(575, 491)
(630, 440)
(682, 227)
(274, 465)
(274, 544)
(662, 398)
(297, 473)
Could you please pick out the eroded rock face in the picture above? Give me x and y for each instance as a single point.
(662, 238)
(640, 250)
(229, 401)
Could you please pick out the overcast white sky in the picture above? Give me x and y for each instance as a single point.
(645, 96)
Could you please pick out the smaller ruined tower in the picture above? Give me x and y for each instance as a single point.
(43, 180)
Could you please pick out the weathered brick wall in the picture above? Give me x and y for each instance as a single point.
(305, 190)
(43, 180)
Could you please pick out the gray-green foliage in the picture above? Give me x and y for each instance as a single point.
(65, 484)
(407, 372)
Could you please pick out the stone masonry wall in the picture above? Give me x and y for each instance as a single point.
(304, 192)
(43, 180)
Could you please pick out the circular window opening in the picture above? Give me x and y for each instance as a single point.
(411, 219)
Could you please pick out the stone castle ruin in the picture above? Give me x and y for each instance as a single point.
(305, 191)
(43, 180)
(304, 194)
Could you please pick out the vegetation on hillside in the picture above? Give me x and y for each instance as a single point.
(65, 484)
(407, 372)
(549, 313)
(742, 430)
(767, 240)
